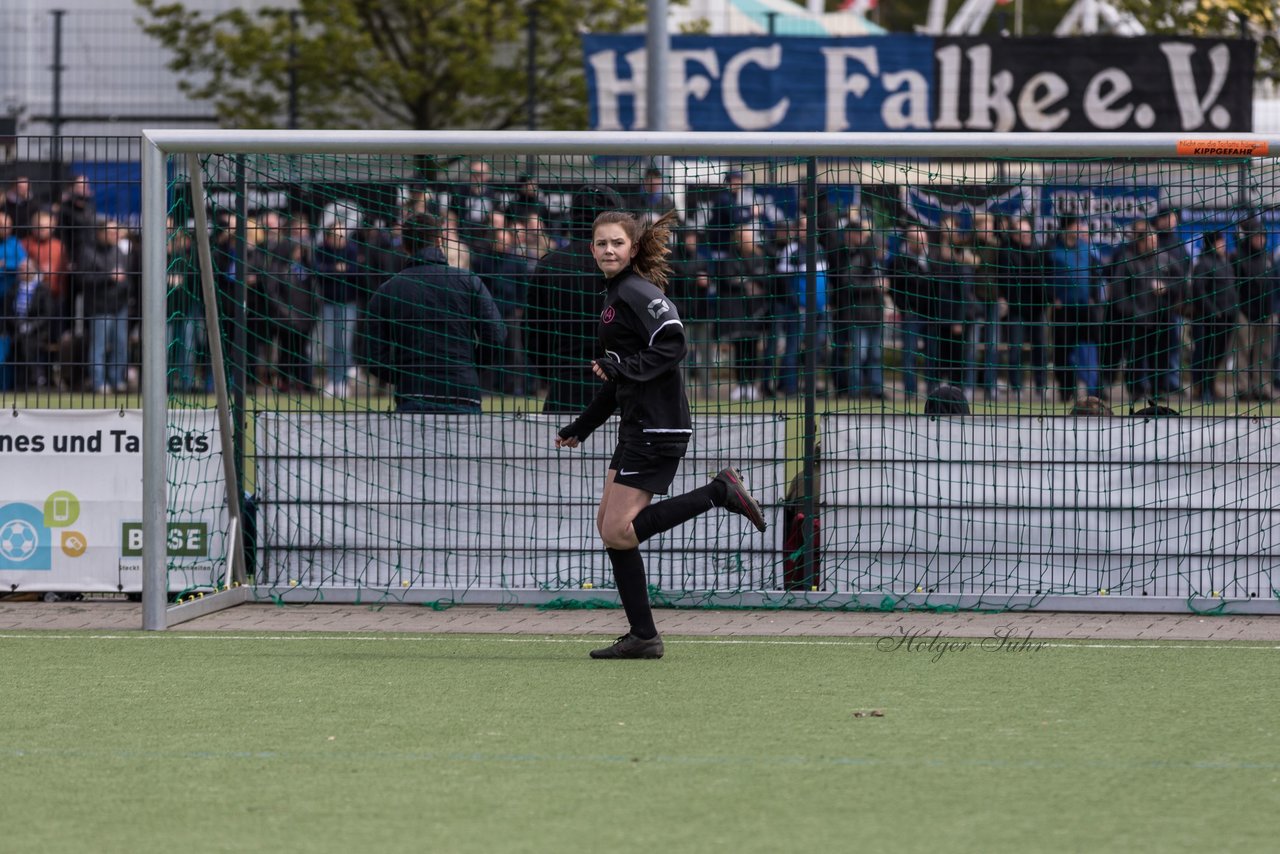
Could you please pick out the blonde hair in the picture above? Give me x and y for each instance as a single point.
(651, 242)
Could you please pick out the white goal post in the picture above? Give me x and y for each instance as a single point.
(875, 155)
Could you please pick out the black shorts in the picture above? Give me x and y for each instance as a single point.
(642, 465)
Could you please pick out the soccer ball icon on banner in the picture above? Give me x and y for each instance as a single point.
(18, 540)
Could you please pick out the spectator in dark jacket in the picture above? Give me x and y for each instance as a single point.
(380, 257)
(651, 202)
(790, 298)
(476, 208)
(19, 203)
(986, 244)
(563, 315)
(339, 278)
(1256, 284)
(527, 202)
(857, 314)
(286, 267)
(1139, 302)
(732, 207)
(106, 281)
(742, 301)
(184, 307)
(1173, 263)
(12, 255)
(910, 272)
(505, 274)
(29, 316)
(1023, 287)
(423, 325)
(77, 216)
(695, 290)
(1214, 310)
(948, 310)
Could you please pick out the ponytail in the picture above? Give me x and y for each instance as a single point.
(654, 247)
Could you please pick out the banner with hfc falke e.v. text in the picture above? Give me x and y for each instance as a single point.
(899, 83)
(71, 501)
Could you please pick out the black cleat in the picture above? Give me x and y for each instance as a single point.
(738, 498)
(630, 646)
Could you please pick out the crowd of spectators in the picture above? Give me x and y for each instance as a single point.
(999, 307)
(69, 278)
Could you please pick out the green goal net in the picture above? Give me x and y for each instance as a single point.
(952, 382)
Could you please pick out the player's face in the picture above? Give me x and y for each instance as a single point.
(612, 248)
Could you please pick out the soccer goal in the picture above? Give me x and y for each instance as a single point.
(959, 370)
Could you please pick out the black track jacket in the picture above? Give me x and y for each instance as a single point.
(644, 343)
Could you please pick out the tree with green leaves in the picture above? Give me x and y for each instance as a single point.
(416, 64)
(1255, 19)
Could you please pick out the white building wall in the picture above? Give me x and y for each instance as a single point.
(112, 69)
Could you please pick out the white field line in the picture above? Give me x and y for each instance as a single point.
(691, 641)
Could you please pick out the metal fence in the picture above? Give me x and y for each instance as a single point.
(69, 214)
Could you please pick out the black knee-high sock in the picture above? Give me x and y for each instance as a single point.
(665, 515)
(628, 574)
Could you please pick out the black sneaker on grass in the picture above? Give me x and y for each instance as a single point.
(630, 646)
(738, 498)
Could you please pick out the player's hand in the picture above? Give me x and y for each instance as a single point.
(570, 442)
(606, 369)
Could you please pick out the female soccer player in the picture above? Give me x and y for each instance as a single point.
(643, 342)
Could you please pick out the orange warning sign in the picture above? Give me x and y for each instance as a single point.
(1222, 147)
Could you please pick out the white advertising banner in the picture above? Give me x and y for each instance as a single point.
(71, 500)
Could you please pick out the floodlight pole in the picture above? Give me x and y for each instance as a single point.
(531, 70)
(293, 70)
(55, 119)
(658, 47)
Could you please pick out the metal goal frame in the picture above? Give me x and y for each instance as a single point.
(161, 144)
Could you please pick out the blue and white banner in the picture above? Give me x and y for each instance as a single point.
(1110, 211)
(921, 83)
(758, 83)
(929, 208)
(1194, 222)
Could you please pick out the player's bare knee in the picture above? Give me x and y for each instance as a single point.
(618, 537)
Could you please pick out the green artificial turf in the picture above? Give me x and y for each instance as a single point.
(314, 743)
